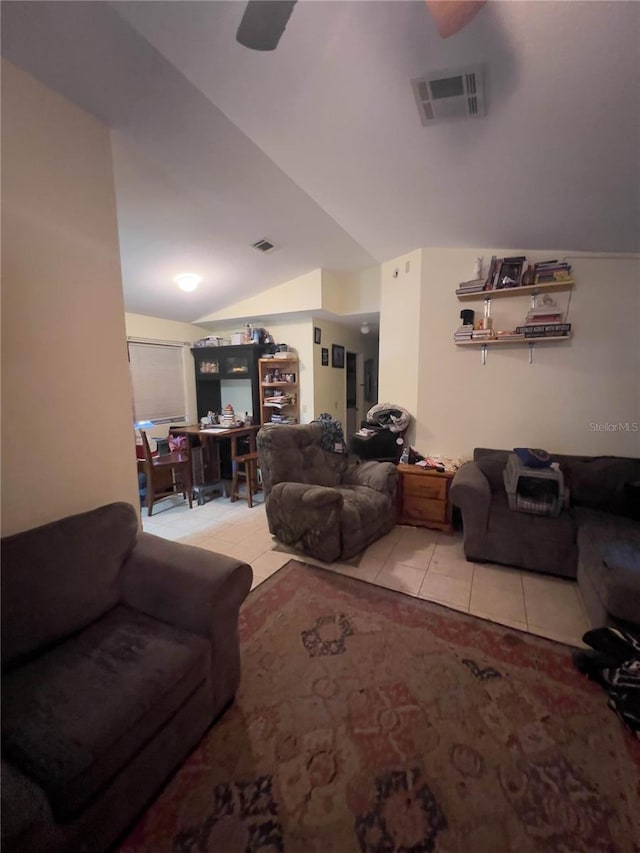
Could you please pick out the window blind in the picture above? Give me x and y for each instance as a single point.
(157, 378)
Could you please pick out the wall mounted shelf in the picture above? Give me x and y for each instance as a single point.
(527, 289)
(531, 290)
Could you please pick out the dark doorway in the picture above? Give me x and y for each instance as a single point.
(352, 394)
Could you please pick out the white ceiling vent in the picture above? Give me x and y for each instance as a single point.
(446, 95)
(264, 246)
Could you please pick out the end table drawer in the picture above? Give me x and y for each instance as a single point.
(420, 486)
(423, 510)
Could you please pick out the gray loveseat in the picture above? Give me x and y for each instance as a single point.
(595, 539)
(315, 500)
(119, 649)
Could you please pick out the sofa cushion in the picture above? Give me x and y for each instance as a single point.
(60, 577)
(75, 716)
(609, 547)
(599, 482)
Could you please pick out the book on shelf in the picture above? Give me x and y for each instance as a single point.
(540, 333)
(471, 285)
(548, 327)
(547, 278)
(494, 266)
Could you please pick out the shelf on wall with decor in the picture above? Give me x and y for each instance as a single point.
(279, 398)
(544, 331)
(523, 290)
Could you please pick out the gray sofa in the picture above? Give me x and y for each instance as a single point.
(119, 649)
(596, 539)
(315, 500)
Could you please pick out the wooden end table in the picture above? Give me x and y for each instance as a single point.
(423, 497)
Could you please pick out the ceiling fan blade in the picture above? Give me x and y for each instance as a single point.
(452, 15)
(263, 23)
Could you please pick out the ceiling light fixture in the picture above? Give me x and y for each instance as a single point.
(188, 280)
(365, 328)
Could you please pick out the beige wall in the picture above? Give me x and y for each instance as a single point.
(299, 294)
(330, 387)
(401, 335)
(297, 333)
(67, 439)
(141, 327)
(557, 402)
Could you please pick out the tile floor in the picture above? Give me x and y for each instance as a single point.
(419, 562)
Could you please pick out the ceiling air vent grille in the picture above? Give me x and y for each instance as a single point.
(264, 246)
(453, 94)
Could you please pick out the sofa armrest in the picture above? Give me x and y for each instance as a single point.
(471, 492)
(27, 821)
(185, 586)
(469, 486)
(196, 590)
(381, 476)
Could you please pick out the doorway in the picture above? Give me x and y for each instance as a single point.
(355, 392)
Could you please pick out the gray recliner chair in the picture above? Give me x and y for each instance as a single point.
(315, 500)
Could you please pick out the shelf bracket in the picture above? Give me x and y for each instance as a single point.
(531, 346)
(483, 354)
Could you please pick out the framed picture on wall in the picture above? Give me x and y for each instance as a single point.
(325, 357)
(337, 355)
(317, 335)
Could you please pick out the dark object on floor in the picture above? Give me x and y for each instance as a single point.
(614, 664)
(315, 500)
(119, 649)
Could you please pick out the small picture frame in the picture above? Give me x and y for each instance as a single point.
(317, 335)
(337, 356)
(509, 275)
(325, 357)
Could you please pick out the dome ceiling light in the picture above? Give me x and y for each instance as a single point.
(188, 280)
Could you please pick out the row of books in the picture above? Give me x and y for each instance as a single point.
(464, 332)
(544, 330)
(507, 273)
(282, 419)
(547, 271)
(474, 286)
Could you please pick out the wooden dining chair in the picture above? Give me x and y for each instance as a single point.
(167, 474)
(244, 466)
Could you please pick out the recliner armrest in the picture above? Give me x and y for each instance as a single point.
(183, 585)
(311, 496)
(381, 476)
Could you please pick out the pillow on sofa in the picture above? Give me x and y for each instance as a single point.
(533, 457)
(60, 577)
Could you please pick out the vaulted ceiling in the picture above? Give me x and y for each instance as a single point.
(319, 147)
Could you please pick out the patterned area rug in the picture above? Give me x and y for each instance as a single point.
(371, 722)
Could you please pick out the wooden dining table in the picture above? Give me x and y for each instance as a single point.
(211, 467)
